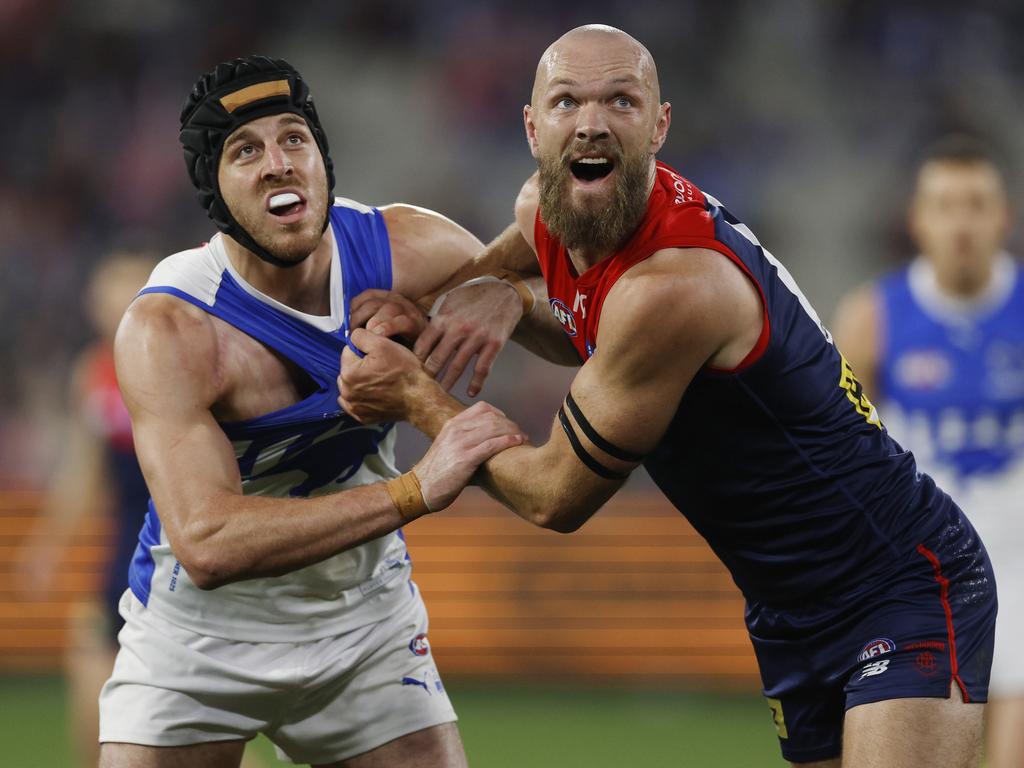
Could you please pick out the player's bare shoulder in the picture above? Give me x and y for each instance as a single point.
(165, 348)
(426, 247)
(694, 294)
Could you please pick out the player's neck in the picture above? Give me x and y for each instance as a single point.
(583, 258)
(965, 285)
(305, 287)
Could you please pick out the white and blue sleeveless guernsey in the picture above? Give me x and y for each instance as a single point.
(311, 448)
(952, 383)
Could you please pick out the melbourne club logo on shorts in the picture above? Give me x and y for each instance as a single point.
(876, 648)
(419, 645)
(926, 663)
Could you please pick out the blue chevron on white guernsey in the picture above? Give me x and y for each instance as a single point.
(952, 378)
(311, 448)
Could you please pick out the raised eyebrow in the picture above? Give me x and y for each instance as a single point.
(292, 120)
(244, 134)
(559, 84)
(630, 86)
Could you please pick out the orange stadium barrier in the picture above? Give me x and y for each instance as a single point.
(635, 594)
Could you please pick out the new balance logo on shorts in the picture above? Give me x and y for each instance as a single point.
(874, 668)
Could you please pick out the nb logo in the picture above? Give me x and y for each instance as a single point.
(874, 668)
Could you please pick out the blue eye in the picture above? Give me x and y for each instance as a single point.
(565, 103)
(623, 101)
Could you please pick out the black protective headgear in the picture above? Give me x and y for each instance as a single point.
(233, 94)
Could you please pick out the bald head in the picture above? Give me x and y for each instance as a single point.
(594, 125)
(597, 47)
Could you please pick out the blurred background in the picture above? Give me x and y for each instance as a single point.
(622, 644)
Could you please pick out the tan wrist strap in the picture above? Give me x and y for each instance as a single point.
(517, 282)
(431, 303)
(407, 496)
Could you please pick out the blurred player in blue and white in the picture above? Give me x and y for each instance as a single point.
(941, 343)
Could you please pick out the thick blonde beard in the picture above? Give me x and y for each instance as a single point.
(602, 228)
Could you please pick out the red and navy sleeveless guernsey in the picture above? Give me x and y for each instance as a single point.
(782, 463)
(106, 416)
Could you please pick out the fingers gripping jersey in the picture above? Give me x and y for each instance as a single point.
(311, 448)
(782, 464)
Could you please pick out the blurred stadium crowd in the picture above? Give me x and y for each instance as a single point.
(803, 116)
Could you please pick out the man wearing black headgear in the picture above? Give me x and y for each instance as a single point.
(233, 94)
(270, 589)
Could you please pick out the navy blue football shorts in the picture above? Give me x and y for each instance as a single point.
(930, 628)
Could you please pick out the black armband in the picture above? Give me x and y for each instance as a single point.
(581, 453)
(612, 450)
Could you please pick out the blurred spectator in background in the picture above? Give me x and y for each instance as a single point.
(941, 344)
(98, 475)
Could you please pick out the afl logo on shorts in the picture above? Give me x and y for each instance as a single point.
(419, 645)
(877, 648)
(563, 316)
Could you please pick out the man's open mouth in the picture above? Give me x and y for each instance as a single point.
(591, 168)
(285, 203)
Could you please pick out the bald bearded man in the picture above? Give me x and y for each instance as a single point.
(870, 598)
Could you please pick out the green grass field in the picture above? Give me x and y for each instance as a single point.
(502, 727)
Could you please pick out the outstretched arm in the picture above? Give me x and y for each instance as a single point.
(171, 375)
(660, 324)
(432, 258)
(512, 250)
(505, 296)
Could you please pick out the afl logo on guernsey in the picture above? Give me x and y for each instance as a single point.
(923, 369)
(419, 645)
(876, 648)
(563, 316)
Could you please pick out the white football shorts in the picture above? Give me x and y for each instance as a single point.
(996, 509)
(318, 702)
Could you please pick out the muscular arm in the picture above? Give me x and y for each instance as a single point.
(513, 250)
(171, 376)
(426, 248)
(431, 256)
(857, 333)
(660, 324)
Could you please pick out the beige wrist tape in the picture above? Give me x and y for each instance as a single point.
(432, 304)
(407, 496)
(517, 282)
